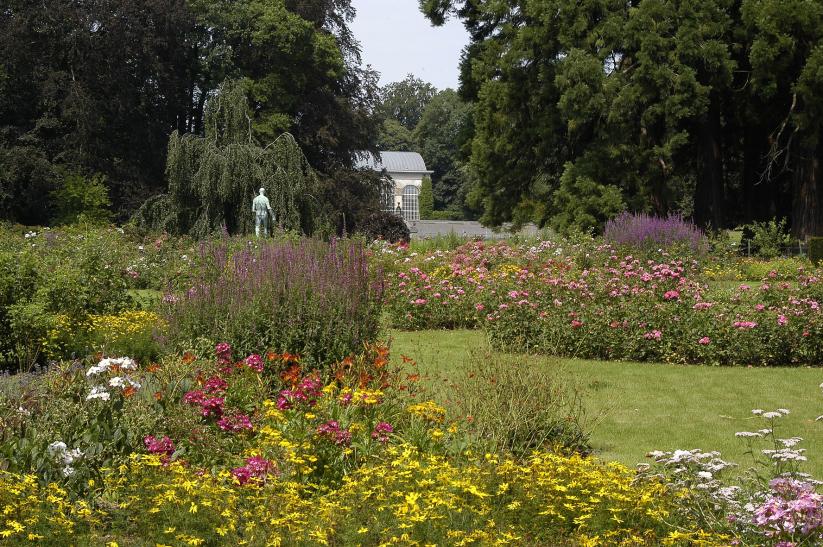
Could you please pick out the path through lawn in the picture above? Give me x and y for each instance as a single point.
(655, 406)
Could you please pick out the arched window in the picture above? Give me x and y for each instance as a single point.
(387, 197)
(411, 203)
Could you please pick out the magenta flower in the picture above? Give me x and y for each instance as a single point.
(213, 406)
(235, 423)
(195, 397)
(653, 335)
(163, 446)
(382, 431)
(223, 351)
(215, 385)
(255, 470)
(782, 320)
(671, 295)
(705, 341)
(331, 430)
(744, 325)
(254, 362)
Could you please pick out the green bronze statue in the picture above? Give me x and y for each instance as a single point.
(261, 208)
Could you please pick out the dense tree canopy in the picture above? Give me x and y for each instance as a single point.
(99, 86)
(443, 130)
(658, 105)
(405, 101)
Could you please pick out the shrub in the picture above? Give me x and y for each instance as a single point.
(82, 199)
(517, 407)
(385, 225)
(816, 250)
(47, 274)
(313, 298)
(426, 199)
(766, 239)
(645, 231)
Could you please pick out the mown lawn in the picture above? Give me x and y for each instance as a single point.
(648, 406)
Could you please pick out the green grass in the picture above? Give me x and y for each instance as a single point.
(649, 406)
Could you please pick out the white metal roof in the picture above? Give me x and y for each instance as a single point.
(393, 162)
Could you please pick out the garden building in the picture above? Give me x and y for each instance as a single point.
(407, 170)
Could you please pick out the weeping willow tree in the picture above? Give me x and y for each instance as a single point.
(213, 179)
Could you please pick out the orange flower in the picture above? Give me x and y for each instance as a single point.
(154, 367)
(129, 391)
(158, 395)
(188, 357)
(291, 375)
(271, 356)
(407, 359)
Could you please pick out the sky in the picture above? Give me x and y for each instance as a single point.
(397, 39)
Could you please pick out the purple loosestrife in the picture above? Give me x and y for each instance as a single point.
(320, 300)
(639, 230)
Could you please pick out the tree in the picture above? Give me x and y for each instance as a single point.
(92, 85)
(444, 130)
(213, 179)
(394, 136)
(405, 101)
(98, 86)
(426, 199)
(674, 104)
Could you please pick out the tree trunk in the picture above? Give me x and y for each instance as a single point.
(807, 205)
(758, 196)
(709, 191)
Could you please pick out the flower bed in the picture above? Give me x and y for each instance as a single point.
(356, 457)
(591, 301)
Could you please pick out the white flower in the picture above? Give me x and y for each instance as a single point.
(705, 475)
(757, 412)
(747, 434)
(772, 415)
(117, 381)
(789, 443)
(56, 448)
(783, 411)
(68, 471)
(98, 392)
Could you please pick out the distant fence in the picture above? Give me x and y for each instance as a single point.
(796, 249)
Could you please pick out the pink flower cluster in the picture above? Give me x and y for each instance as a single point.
(209, 406)
(307, 392)
(163, 446)
(254, 362)
(223, 351)
(332, 431)
(653, 335)
(744, 325)
(256, 470)
(382, 431)
(215, 385)
(671, 295)
(795, 509)
(235, 423)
